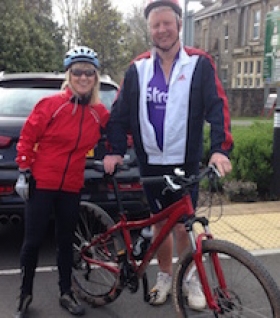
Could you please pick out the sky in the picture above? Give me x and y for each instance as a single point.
(126, 6)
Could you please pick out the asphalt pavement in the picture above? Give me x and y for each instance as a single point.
(254, 226)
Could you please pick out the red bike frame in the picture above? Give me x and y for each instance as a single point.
(171, 214)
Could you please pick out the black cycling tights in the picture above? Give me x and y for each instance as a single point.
(42, 205)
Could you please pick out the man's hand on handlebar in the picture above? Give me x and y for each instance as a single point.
(111, 161)
(221, 162)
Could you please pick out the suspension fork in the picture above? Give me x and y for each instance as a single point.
(196, 244)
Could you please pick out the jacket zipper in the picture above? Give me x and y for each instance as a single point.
(74, 149)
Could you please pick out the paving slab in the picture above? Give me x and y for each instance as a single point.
(254, 226)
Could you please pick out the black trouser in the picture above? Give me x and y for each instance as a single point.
(65, 208)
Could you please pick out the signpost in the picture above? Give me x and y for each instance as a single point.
(271, 71)
(270, 105)
(271, 75)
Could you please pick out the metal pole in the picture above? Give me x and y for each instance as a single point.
(188, 24)
(275, 187)
(190, 28)
(185, 30)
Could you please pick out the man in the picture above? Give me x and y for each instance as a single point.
(165, 97)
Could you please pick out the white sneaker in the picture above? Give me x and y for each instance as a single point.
(193, 291)
(161, 290)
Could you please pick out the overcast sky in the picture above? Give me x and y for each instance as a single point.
(126, 5)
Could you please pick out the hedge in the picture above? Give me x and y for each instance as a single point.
(252, 154)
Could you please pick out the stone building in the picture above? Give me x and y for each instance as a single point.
(233, 32)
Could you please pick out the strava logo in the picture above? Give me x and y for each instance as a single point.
(154, 95)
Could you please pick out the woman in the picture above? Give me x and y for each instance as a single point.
(51, 157)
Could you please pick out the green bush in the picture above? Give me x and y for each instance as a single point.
(252, 154)
(206, 145)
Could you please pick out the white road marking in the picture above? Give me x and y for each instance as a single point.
(47, 269)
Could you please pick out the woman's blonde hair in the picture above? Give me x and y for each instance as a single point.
(95, 99)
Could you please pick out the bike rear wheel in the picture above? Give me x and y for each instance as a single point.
(251, 290)
(97, 284)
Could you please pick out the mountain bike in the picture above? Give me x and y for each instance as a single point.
(234, 282)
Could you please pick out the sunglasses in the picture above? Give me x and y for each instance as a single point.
(79, 72)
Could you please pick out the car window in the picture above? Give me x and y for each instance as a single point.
(107, 95)
(18, 102)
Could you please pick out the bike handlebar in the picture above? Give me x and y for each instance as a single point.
(173, 182)
(179, 181)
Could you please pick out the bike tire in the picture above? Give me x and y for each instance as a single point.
(253, 291)
(96, 284)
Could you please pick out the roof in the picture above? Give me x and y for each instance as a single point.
(9, 77)
(219, 6)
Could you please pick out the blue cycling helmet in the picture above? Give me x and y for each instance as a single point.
(80, 54)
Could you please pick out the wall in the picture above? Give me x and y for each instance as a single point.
(245, 102)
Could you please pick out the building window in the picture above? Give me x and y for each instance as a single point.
(245, 67)
(205, 39)
(248, 73)
(250, 82)
(238, 67)
(251, 67)
(256, 24)
(238, 74)
(226, 37)
(238, 84)
(244, 25)
(259, 67)
(224, 78)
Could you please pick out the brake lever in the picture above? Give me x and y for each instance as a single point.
(179, 172)
(170, 184)
(215, 170)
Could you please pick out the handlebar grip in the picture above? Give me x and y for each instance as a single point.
(98, 166)
(150, 180)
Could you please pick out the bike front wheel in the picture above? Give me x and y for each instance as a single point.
(96, 281)
(251, 292)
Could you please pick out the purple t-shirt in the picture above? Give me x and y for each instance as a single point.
(157, 95)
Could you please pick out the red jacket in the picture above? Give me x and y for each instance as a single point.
(56, 138)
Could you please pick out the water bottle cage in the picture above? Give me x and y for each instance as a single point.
(140, 247)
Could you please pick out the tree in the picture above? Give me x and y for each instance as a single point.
(38, 7)
(31, 41)
(138, 36)
(28, 42)
(101, 27)
(67, 13)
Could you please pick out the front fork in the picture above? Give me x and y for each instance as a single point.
(196, 243)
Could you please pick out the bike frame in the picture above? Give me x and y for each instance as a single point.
(171, 214)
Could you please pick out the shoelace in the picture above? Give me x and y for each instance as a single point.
(194, 287)
(162, 280)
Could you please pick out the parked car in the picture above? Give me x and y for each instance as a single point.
(18, 94)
